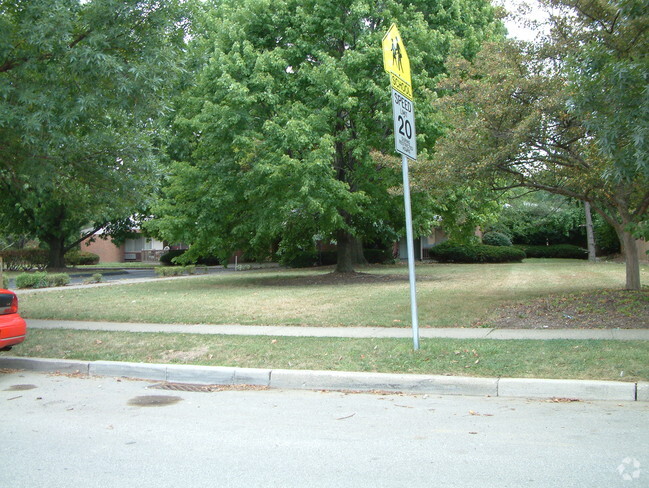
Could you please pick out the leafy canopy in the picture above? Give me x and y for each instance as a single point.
(563, 116)
(274, 143)
(82, 84)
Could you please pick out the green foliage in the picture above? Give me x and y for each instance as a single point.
(566, 115)
(82, 86)
(95, 278)
(168, 257)
(606, 238)
(80, 258)
(273, 138)
(450, 252)
(24, 259)
(541, 219)
(304, 259)
(496, 239)
(41, 280)
(378, 256)
(165, 271)
(5, 281)
(610, 71)
(307, 259)
(565, 251)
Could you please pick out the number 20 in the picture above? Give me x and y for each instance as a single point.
(405, 127)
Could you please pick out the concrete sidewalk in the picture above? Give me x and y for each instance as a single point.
(351, 332)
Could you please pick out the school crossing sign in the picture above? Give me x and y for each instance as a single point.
(396, 62)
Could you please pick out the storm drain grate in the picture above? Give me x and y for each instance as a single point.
(204, 388)
(186, 387)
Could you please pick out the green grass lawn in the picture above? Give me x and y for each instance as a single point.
(448, 295)
(605, 360)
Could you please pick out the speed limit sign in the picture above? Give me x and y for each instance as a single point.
(405, 137)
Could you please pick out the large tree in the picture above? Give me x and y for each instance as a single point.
(567, 115)
(274, 142)
(81, 86)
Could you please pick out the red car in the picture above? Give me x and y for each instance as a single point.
(12, 327)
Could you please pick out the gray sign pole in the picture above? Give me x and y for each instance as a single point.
(397, 63)
(411, 253)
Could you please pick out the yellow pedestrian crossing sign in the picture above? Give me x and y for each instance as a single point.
(396, 62)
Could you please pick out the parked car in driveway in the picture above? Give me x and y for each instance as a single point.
(12, 326)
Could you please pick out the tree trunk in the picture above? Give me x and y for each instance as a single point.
(630, 250)
(349, 252)
(357, 252)
(590, 236)
(56, 259)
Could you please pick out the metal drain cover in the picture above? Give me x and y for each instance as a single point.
(185, 387)
(205, 388)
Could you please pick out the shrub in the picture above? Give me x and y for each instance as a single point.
(606, 238)
(449, 252)
(165, 271)
(24, 259)
(57, 279)
(496, 239)
(305, 259)
(5, 281)
(31, 280)
(191, 269)
(565, 251)
(377, 256)
(80, 258)
(95, 278)
(41, 280)
(167, 257)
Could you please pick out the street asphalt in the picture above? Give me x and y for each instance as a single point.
(336, 380)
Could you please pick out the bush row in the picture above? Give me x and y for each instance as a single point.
(24, 259)
(80, 258)
(448, 252)
(565, 251)
(29, 259)
(41, 280)
(163, 271)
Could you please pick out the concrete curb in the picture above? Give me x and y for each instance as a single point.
(340, 380)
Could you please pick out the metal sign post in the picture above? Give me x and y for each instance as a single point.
(396, 62)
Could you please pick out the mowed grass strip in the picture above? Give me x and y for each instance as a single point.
(604, 360)
(448, 295)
